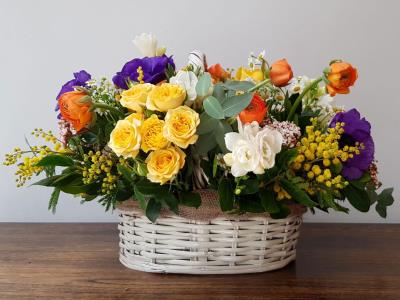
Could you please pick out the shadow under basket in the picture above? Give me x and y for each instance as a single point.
(214, 244)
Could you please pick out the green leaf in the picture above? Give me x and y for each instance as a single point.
(337, 168)
(47, 181)
(213, 108)
(221, 129)
(205, 143)
(55, 160)
(385, 197)
(89, 137)
(203, 85)
(381, 210)
(250, 205)
(125, 172)
(283, 212)
(140, 198)
(285, 158)
(150, 189)
(54, 199)
(238, 85)
(171, 201)
(268, 201)
(190, 199)
(232, 106)
(250, 186)
(78, 189)
(226, 197)
(207, 124)
(298, 194)
(219, 92)
(357, 198)
(153, 210)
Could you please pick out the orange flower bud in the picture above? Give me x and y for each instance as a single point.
(74, 111)
(342, 75)
(218, 73)
(256, 111)
(280, 73)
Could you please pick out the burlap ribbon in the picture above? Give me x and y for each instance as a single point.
(208, 210)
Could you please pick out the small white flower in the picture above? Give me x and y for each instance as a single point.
(187, 80)
(147, 44)
(298, 84)
(252, 149)
(326, 102)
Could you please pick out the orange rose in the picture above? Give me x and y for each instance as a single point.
(280, 73)
(256, 111)
(74, 111)
(342, 75)
(218, 73)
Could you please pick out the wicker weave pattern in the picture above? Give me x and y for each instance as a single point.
(219, 246)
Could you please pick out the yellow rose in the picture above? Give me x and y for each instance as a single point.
(180, 126)
(166, 96)
(245, 74)
(152, 134)
(135, 116)
(135, 98)
(164, 164)
(125, 138)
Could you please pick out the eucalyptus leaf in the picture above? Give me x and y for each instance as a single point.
(213, 108)
(207, 124)
(203, 85)
(232, 106)
(238, 85)
(205, 143)
(221, 129)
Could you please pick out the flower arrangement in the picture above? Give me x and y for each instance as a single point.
(262, 138)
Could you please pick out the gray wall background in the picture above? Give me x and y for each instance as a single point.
(44, 41)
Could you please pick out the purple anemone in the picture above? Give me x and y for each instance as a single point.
(356, 129)
(153, 70)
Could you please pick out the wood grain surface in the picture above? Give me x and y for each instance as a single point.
(80, 261)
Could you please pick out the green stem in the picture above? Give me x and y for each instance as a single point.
(260, 84)
(110, 108)
(301, 96)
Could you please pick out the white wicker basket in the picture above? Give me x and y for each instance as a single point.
(223, 245)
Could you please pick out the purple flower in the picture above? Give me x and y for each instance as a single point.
(153, 70)
(356, 129)
(81, 78)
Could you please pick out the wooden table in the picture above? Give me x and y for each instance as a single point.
(80, 261)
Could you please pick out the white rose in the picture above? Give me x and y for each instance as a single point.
(147, 44)
(244, 156)
(269, 143)
(187, 80)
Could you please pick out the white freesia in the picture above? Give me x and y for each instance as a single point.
(244, 157)
(253, 149)
(187, 80)
(269, 142)
(147, 44)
